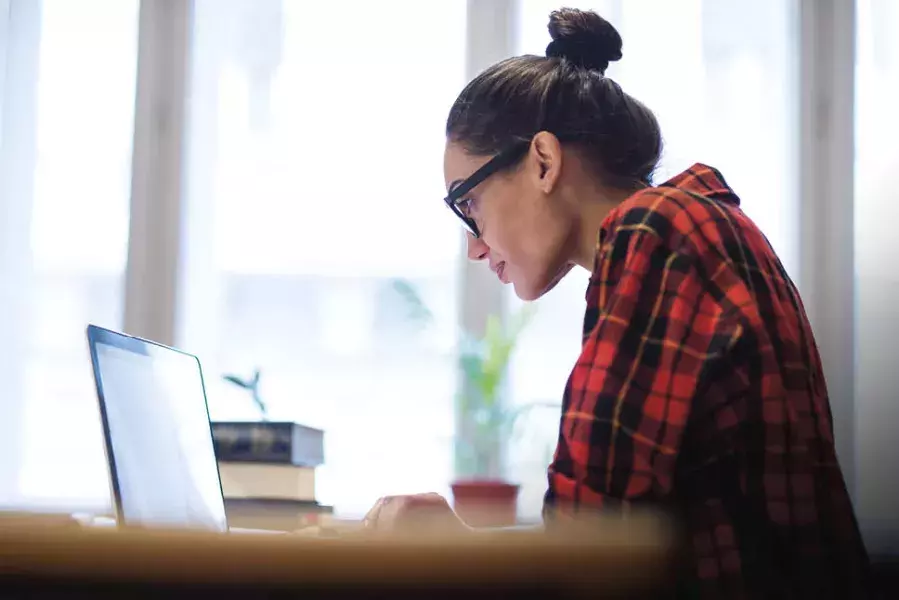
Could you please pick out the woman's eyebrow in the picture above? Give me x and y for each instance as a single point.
(454, 185)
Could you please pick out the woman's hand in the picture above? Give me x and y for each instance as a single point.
(419, 513)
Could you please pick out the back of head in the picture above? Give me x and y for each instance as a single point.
(567, 94)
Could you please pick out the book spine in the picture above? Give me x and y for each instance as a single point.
(264, 442)
(252, 442)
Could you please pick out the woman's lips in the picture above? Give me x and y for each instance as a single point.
(500, 272)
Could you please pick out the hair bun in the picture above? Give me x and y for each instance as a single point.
(583, 38)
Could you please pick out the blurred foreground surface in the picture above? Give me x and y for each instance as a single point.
(52, 557)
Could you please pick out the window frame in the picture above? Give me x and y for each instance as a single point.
(825, 114)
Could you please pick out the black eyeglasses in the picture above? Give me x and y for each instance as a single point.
(503, 160)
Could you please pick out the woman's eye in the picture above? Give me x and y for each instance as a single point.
(465, 205)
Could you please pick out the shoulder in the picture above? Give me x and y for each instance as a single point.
(646, 223)
(647, 235)
(703, 224)
(658, 231)
(670, 214)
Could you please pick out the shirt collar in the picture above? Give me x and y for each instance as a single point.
(703, 180)
(699, 180)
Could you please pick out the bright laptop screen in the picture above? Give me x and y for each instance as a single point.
(156, 419)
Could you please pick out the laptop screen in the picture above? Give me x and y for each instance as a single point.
(158, 438)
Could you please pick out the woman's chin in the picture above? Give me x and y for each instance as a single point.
(529, 292)
(525, 294)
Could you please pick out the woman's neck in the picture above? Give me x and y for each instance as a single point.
(593, 212)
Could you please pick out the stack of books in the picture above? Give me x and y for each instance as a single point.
(268, 473)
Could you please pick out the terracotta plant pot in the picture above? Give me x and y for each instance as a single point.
(486, 502)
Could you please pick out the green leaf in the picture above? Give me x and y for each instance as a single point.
(490, 424)
(418, 309)
(237, 381)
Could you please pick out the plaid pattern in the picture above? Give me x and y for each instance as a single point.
(699, 390)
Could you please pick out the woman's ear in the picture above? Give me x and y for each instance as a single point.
(546, 153)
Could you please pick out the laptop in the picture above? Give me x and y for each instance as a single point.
(162, 465)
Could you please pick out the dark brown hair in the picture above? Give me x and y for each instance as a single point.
(565, 93)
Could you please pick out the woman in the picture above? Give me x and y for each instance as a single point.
(699, 387)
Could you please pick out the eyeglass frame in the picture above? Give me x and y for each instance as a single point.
(499, 162)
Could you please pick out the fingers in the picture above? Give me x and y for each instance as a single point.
(420, 512)
(389, 509)
(370, 520)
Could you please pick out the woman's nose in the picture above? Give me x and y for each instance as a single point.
(477, 249)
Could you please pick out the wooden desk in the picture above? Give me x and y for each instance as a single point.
(54, 561)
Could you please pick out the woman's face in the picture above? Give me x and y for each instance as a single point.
(527, 232)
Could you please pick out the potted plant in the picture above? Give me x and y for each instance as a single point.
(482, 493)
(486, 423)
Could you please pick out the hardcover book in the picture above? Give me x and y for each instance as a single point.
(268, 442)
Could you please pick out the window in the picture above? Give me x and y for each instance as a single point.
(315, 145)
(876, 279)
(722, 92)
(67, 123)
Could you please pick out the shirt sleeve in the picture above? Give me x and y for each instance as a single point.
(630, 395)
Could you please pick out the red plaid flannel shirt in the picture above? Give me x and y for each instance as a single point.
(699, 390)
